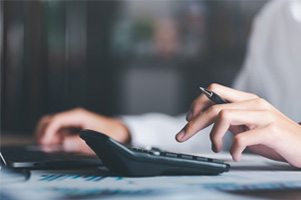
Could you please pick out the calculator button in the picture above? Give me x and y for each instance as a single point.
(144, 150)
(134, 149)
(186, 156)
(139, 150)
(216, 161)
(155, 149)
(201, 158)
(156, 153)
(168, 154)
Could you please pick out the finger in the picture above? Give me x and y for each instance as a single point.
(245, 139)
(41, 126)
(75, 143)
(56, 139)
(238, 129)
(230, 94)
(59, 121)
(60, 136)
(227, 118)
(198, 105)
(208, 117)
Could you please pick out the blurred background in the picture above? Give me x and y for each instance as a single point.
(116, 57)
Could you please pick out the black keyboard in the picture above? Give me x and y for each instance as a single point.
(131, 161)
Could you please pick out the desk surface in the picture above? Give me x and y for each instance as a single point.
(252, 178)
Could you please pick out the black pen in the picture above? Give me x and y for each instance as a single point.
(213, 96)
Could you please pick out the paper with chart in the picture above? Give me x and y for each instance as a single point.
(92, 185)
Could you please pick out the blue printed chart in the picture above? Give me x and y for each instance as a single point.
(92, 185)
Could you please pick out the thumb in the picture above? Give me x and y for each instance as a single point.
(75, 143)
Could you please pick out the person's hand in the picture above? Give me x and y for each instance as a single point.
(62, 129)
(255, 123)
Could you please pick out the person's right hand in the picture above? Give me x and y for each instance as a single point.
(254, 122)
(62, 129)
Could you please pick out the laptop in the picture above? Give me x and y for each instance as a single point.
(36, 157)
(10, 175)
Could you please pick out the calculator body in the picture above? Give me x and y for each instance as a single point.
(135, 162)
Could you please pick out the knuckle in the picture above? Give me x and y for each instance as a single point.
(271, 136)
(56, 119)
(79, 109)
(213, 86)
(269, 116)
(262, 103)
(190, 127)
(257, 101)
(253, 96)
(224, 115)
(215, 109)
(273, 130)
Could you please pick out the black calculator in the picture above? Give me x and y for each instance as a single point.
(134, 162)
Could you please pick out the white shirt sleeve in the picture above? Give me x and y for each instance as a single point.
(273, 64)
(159, 130)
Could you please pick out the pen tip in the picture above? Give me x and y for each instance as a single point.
(205, 91)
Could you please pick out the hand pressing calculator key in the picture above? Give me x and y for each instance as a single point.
(134, 162)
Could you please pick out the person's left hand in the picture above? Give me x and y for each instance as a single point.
(63, 128)
(255, 123)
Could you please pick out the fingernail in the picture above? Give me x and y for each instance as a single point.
(180, 136)
(236, 158)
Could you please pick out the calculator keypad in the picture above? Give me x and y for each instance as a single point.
(157, 152)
